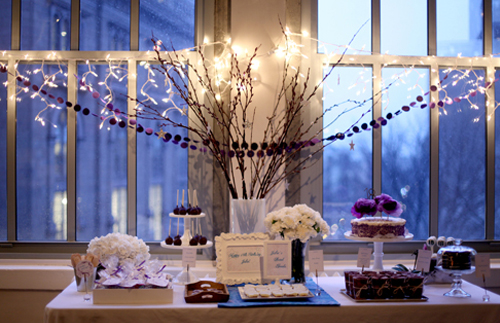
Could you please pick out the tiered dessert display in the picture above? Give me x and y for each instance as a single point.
(456, 260)
(197, 241)
(378, 229)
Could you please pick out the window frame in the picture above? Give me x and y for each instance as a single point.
(433, 63)
(302, 16)
(12, 248)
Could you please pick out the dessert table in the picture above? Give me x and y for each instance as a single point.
(69, 306)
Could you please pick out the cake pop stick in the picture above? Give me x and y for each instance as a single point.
(182, 210)
(189, 209)
(169, 226)
(177, 227)
(176, 209)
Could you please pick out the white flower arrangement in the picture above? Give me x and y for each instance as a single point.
(121, 245)
(297, 222)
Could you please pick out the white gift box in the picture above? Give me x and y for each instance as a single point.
(119, 296)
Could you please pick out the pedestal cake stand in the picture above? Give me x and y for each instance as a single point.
(456, 286)
(378, 246)
(186, 276)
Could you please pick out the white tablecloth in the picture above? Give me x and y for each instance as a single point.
(70, 307)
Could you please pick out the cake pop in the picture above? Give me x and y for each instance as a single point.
(169, 239)
(176, 209)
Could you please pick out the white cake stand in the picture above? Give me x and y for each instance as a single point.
(186, 276)
(378, 246)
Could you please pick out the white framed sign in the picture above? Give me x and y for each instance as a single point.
(316, 262)
(189, 257)
(277, 259)
(364, 257)
(239, 257)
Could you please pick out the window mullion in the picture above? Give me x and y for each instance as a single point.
(11, 153)
(71, 152)
(487, 28)
(490, 155)
(490, 122)
(376, 26)
(431, 28)
(434, 154)
(134, 24)
(75, 25)
(377, 133)
(132, 152)
(16, 25)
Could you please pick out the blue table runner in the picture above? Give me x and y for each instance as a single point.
(324, 299)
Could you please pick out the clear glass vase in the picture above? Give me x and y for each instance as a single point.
(247, 216)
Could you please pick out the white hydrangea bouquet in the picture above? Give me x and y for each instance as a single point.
(119, 246)
(297, 222)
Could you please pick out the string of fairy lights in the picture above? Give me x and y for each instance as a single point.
(110, 115)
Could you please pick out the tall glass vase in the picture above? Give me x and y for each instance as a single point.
(247, 216)
(298, 260)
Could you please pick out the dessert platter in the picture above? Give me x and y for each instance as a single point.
(378, 230)
(273, 292)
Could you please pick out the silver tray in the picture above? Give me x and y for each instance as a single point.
(385, 300)
(272, 298)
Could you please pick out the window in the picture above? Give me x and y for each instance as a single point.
(78, 175)
(41, 157)
(459, 28)
(44, 26)
(432, 154)
(161, 20)
(5, 24)
(108, 30)
(406, 147)
(347, 172)
(158, 179)
(101, 159)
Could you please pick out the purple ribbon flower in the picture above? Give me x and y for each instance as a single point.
(388, 205)
(382, 203)
(364, 207)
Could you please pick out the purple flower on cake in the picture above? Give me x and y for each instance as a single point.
(388, 205)
(364, 207)
(381, 203)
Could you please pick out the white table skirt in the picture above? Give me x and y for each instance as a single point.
(70, 307)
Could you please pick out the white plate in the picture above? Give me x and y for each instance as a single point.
(351, 236)
(171, 246)
(272, 298)
(188, 216)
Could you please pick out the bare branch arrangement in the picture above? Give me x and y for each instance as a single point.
(220, 92)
